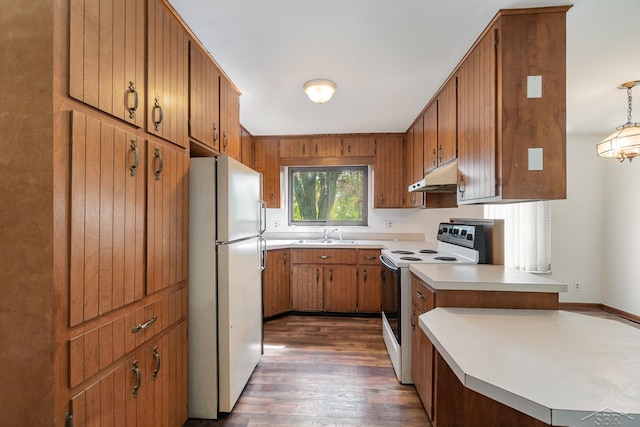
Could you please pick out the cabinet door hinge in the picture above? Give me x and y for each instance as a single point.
(68, 420)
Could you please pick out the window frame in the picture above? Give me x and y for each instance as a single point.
(327, 169)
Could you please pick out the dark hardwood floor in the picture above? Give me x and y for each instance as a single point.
(324, 371)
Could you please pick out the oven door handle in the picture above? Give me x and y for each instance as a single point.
(386, 264)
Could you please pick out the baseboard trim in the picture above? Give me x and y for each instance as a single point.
(597, 306)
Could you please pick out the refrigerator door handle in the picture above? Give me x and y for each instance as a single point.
(263, 216)
(263, 253)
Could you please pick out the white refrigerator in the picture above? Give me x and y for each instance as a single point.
(227, 254)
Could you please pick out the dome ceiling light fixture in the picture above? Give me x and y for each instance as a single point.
(319, 90)
(624, 143)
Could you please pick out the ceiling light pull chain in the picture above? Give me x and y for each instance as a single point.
(629, 98)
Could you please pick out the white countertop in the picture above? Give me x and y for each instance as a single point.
(559, 367)
(483, 277)
(352, 243)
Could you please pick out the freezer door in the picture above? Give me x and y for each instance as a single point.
(239, 317)
(240, 205)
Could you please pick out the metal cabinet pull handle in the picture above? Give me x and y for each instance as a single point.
(440, 153)
(317, 275)
(370, 258)
(316, 148)
(324, 257)
(461, 186)
(273, 200)
(382, 199)
(136, 163)
(331, 274)
(161, 166)
(136, 370)
(156, 356)
(304, 149)
(215, 132)
(145, 325)
(284, 258)
(365, 275)
(419, 295)
(434, 157)
(413, 316)
(225, 141)
(157, 107)
(132, 110)
(349, 148)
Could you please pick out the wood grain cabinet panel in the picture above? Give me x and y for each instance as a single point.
(167, 75)
(325, 147)
(204, 98)
(388, 176)
(307, 288)
(107, 56)
(229, 119)
(369, 289)
(447, 122)
(167, 219)
(294, 147)
(340, 289)
(358, 146)
(276, 283)
(267, 163)
(107, 218)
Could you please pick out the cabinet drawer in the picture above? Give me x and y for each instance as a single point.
(95, 349)
(323, 256)
(422, 297)
(369, 256)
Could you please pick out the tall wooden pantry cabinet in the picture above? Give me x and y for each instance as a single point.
(94, 103)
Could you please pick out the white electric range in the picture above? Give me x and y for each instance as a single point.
(457, 244)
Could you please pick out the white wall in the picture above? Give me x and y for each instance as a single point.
(576, 223)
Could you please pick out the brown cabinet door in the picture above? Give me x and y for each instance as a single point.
(229, 119)
(167, 202)
(477, 122)
(358, 146)
(107, 56)
(168, 75)
(307, 288)
(388, 177)
(247, 148)
(369, 289)
(447, 117)
(107, 218)
(340, 289)
(267, 163)
(294, 147)
(325, 147)
(431, 151)
(276, 283)
(204, 98)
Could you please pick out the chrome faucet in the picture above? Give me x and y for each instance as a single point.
(336, 230)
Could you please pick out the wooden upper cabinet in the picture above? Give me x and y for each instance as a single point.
(447, 132)
(167, 75)
(325, 147)
(167, 216)
(358, 146)
(294, 147)
(229, 119)
(498, 124)
(247, 148)
(430, 159)
(267, 163)
(204, 98)
(388, 176)
(107, 234)
(413, 162)
(107, 56)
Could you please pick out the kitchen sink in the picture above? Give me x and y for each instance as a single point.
(325, 242)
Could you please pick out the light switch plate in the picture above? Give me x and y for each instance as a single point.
(534, 86)
(535, 159)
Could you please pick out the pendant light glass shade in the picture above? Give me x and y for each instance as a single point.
(319, 90)
(624, 143)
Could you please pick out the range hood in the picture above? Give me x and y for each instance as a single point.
(441, 180)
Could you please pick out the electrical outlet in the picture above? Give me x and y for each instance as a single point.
(576, 287)
(277, 224)
(387, 223)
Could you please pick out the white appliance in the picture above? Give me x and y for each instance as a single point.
(227, 254)
(457, 244)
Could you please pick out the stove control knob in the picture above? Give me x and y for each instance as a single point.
(469, 236)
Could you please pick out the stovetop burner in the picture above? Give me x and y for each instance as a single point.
(411, 258)
(428, 251)
(445, 258)
(402, 252)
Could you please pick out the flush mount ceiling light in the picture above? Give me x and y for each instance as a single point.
(319, 90)
(624, 143)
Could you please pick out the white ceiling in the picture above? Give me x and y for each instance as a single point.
(389, 57)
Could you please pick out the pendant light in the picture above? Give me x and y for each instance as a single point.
(624, 143)
(319, 90)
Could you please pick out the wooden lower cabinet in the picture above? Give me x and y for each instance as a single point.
(340, 288)
(422, 350)
(307, 288)
(149, 389)
(276, 283)
(369, 281)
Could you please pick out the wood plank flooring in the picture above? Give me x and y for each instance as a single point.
(324, 371)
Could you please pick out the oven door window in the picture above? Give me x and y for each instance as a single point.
(391, 299)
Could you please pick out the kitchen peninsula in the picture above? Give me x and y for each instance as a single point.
(533, 367)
